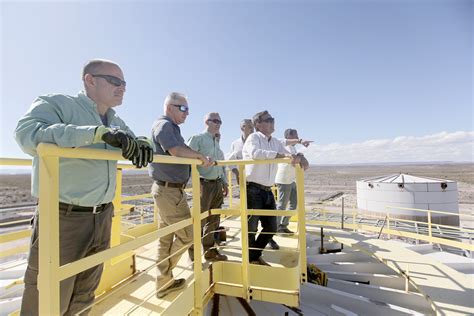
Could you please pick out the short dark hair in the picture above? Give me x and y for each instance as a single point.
(289, 132)
(257, 118)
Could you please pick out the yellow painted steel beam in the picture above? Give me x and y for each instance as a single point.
(50, 150)
(227, 211)
(136, 197)
(48, 281)
(427, 211)
(123, 209)
(300, 206)
(115, 239)
(15, 222)
(229, 180)
(461, 229)
(252, 162)
(15, 162)
(276, 284)
(196, 217)
(140, 230)
(75, 267)
(364, 227)
(14, 251)
(15, 236)
(244, 236)
(255, 212)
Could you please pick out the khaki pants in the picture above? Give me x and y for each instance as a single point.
(80, 235)
(172, 208)
(211, 197)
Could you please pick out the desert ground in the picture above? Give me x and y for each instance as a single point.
(322, 183)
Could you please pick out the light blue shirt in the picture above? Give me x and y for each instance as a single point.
(207, 145)
(71, 121)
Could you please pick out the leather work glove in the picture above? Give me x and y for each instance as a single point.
(117, 138)
(145, 152)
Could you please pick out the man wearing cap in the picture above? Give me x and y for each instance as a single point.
(260, 178)
(87, 186)
(168, 189)
(285, 181)
(213, 184)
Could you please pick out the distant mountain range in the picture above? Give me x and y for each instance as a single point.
(408, 163)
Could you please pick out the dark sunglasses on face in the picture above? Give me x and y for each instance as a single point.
(216, 121)
(112, 80)
(268, 120)
(181, 108)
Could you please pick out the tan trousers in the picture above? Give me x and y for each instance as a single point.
(80, 235)
(172, 208)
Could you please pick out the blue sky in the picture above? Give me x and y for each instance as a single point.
(369, 81)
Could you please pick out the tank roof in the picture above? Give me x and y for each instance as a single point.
(403, 178)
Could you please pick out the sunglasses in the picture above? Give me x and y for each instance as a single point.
(216, 121)
(181, 108)
(112, 80)
(268, 120)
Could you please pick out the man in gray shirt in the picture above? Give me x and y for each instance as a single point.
(168, 189)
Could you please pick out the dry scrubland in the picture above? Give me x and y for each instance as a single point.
(321, 182)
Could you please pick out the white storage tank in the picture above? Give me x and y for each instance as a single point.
(374, 195)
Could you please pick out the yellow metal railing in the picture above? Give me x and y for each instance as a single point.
(354, 225)
(51, 272)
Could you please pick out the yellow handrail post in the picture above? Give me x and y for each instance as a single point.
(301, 221)
(354, 220)
(117, 219)
(230, 188)
(388, 226)
(429, 227)
(196, 215)
(244, 232)
(48, 281)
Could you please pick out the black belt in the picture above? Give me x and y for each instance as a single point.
(210, 180)
(171, 185)
(260, 186)
(84, 209)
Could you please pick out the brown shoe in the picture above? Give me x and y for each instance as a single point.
(214, 255)
(260, 262)
(175, 286)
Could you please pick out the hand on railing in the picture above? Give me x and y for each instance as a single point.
(117, 138)
(206, 161)
(301, 160)
(145, 152)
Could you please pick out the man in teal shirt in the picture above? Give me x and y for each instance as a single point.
(213, 184)
(86, 186)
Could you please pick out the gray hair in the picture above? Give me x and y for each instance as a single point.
(208, 116)
(174, 98)
(245, 122)
(92, 66)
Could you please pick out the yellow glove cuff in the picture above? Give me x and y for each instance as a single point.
(99, 132)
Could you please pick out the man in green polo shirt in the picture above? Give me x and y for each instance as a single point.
(213, 184)
(87, 186)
